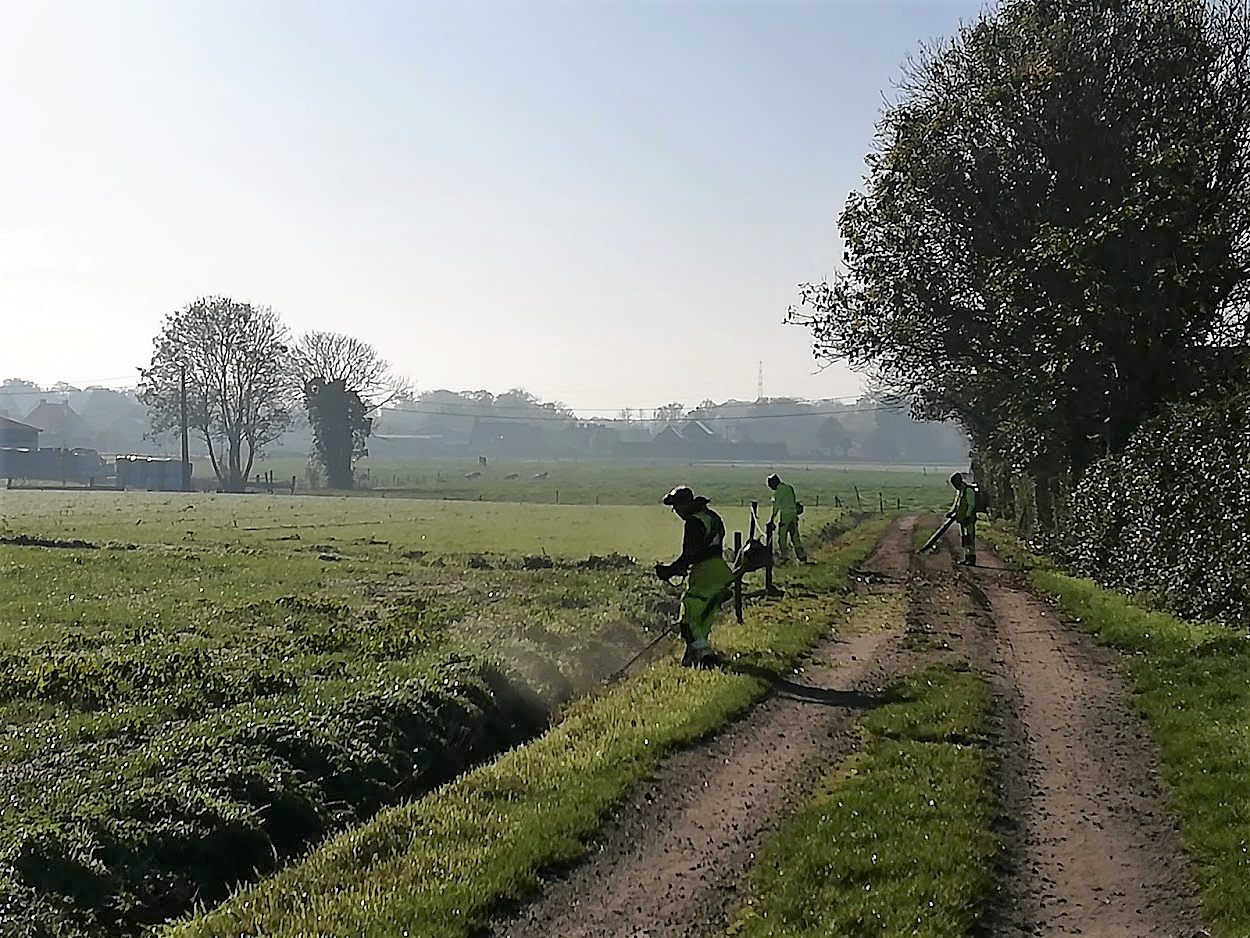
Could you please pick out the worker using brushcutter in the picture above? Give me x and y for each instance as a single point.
(964, 511)
(786, 505)
(710, 579)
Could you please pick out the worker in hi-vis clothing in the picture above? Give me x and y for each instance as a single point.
(710, 580)
(785, 506)
(964, 511)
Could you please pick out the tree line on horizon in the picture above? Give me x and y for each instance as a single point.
(381, 411)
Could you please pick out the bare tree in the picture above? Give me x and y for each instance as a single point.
(239, 393)
(332, 356)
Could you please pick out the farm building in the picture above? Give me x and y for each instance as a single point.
(17, 442)
(154, 473)
(694, 441)
(15, 435)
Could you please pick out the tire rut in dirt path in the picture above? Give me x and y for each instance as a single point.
(1091, 844)
(670, 862)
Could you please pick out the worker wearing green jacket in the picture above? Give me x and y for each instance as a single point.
(964, 512)
(786, 508)
(710, 580)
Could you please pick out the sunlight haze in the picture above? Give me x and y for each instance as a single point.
(609, 204)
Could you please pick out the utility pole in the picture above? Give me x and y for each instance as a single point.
(186, 443)
(759, 384)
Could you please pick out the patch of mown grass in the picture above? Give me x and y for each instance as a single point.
(440, 865)
(1192, 682)
(898, 842)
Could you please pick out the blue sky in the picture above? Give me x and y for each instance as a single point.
(608, 203)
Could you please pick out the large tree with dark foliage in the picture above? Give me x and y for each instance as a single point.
(239, 393)
(1053, 240)
(344, 380)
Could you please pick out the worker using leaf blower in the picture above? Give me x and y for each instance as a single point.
(964, 511)
(710, 578)
(787, 505)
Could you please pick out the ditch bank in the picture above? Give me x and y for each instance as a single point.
(441, 864)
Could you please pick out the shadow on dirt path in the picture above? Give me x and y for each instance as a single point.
(1091, 845)
(670, 862)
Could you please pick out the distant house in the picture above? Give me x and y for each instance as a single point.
(695, 441)
(61, 425)
(15, 435)
(696, 431)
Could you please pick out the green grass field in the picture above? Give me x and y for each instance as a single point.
(211, 684)
(205, 686)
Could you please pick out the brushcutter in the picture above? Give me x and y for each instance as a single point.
(620, 672)
(937, 535)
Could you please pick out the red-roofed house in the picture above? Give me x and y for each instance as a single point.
(61, 425)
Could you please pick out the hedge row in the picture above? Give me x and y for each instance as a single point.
(1171, 514)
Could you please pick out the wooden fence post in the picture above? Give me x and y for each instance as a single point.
(769, 589)
(737, 579)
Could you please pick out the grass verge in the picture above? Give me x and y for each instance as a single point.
(440, 865)
(898, 842)
(1192, 682)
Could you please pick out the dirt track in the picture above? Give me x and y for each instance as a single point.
(1090, 847)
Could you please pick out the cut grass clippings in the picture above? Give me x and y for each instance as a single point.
(439, 866)
(899, 840)
(1192, 682)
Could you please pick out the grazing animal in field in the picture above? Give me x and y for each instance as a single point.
(481, 461)
(472, 475)
(539, 475)
(512, 475)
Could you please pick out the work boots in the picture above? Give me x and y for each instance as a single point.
(703, 658)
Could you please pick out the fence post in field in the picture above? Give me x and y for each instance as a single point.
(769, 588)
(859, 503)
(898, 503)
(768, 568)
(737, 579)
(881, 502)
(818, 501)
(557, 496)
(751, 533)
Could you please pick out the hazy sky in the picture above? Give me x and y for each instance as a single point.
(608, 203)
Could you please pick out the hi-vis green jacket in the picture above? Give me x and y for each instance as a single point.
(785, 503)
(964, 509)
